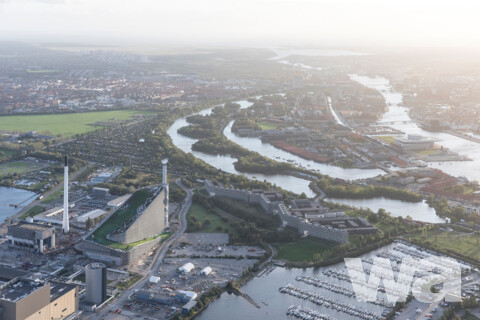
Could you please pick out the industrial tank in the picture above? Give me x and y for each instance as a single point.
(96, 283)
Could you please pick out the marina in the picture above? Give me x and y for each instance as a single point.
(306, 313)
(321, 289)
(319, 299)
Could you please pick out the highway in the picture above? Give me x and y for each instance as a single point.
(158, 259)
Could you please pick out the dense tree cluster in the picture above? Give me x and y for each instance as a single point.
(355, 191)
(245, 123)
(454, 214)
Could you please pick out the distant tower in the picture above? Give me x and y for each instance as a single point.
(96, 283)
(65, 223)
(165, 186)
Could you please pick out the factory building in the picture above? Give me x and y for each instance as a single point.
(413, 142)
(118, 202)
(90, 215)
(189, 306)
(96, 283)
(27, 299)
(32, 236)
(100, 192)
(186, 296)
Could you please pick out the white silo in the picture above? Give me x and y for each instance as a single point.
(96, 283)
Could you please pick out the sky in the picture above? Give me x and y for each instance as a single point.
(245, 22)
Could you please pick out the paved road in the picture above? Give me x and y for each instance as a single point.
(428, 310)
(48, 193)
(158, 259)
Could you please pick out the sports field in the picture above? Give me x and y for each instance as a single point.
(67, 124)
(19, 167)
(303, 249)
(267, 125)
(119, 217)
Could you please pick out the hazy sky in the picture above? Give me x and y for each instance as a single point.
(245, 22)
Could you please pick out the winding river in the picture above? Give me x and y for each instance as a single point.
(418, 211)
(264, 289)
(225, 163)
(397, 117)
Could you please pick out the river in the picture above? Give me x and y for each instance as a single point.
(419, 211)
(10, 196)
(397, 117)
(264, 290)
(225, 163)
(269, 151)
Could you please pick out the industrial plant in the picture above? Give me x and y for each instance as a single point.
(133, 229)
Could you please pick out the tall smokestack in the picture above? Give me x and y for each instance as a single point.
(65, 223)
(165, 186)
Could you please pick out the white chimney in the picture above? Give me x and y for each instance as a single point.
(165, 186)
(65, 223)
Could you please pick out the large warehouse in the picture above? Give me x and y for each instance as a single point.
(27, 299)
(34, 236)
(413, 142)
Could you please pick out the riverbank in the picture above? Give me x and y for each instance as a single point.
(463, 136)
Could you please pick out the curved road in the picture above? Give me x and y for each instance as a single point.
(158, 259)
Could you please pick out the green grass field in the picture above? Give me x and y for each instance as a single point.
(427, 152)
(19, 167)
(54, 196)
(200, 214)
(387, 139)
(303, 249)
(267, 125)
(118, 218)
(459, 242)
(64, 124)
(6, 153)
(32, 212)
